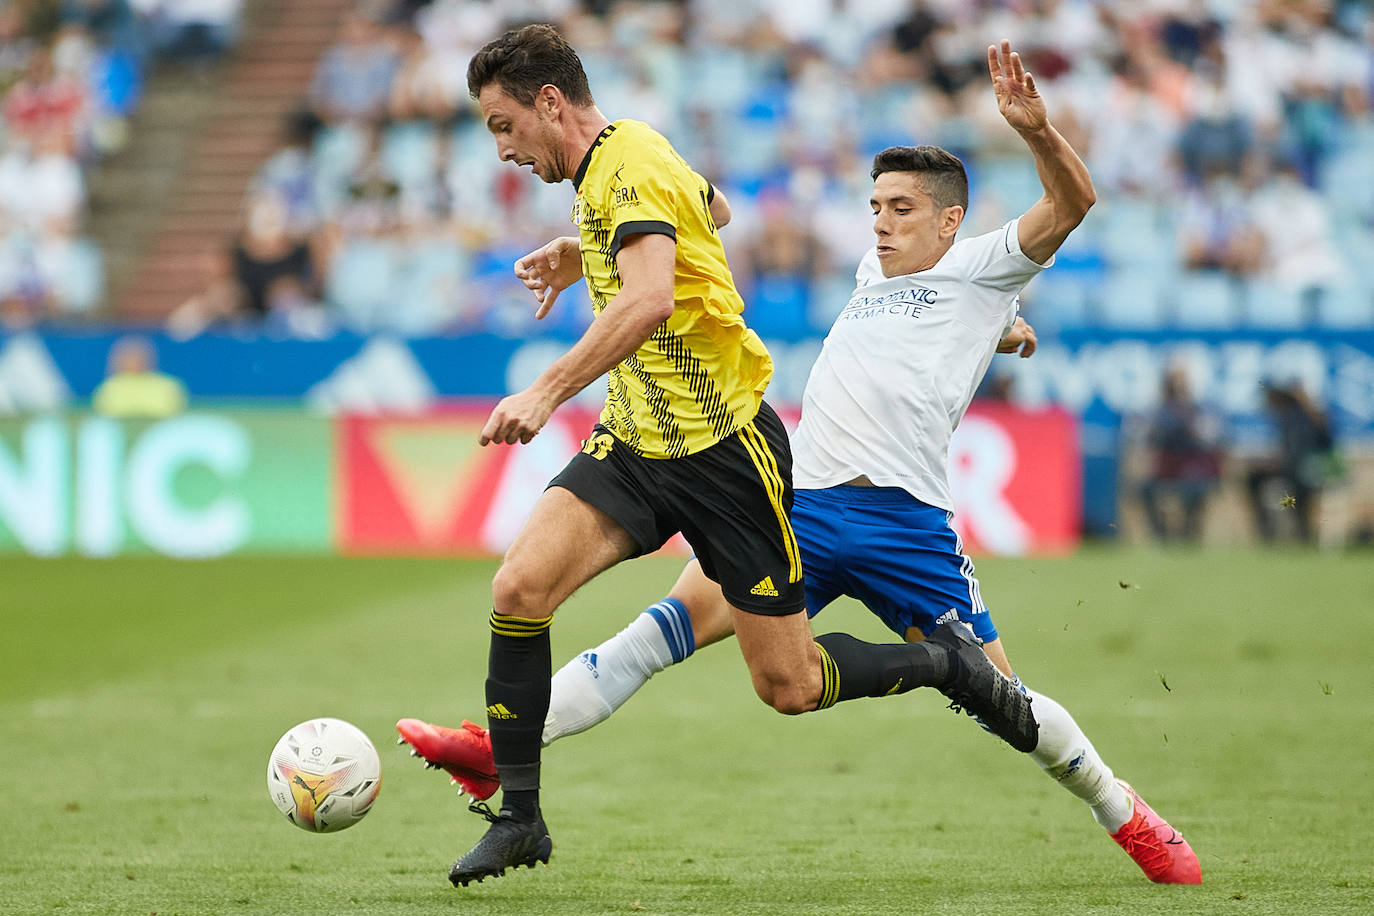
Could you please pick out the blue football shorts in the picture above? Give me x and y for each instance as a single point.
(896, 554)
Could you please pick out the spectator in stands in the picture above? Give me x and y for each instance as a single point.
(134, 388)
(1289, 481)
(424, 88)
(45, 108)
(1294, 223)
(1217, 228)
(274, 269)
(193, 31)
(1217, 138)
(266, 275)
(1184, 441)
(784, 260)
(114, 24)
(16, 44)
(1132, 142)
(353, 80)
(41, 188)
(289, 174)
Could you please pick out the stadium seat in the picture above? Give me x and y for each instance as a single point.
(1060, 299)
(1131, 298)
(1205, 299)
(361, 283)
(428, 284)
(75, 270)
(409, 151)
(336, 154)
(1348, 305)
(1272, 305)
(1133, 231)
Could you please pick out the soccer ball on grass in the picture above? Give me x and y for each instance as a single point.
(324, 775)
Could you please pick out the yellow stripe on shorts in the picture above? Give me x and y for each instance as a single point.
(767, 465)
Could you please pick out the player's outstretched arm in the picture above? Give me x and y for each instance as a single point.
(1068, 187)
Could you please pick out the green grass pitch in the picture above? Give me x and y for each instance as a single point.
(139, 699)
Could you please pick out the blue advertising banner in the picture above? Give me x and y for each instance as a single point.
(1092, 374)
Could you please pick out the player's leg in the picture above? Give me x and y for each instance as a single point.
(592, 685)
(907, 565)
(1068, 757)
(597, 682)
(563, 545)
(747, 543)
(565, 542)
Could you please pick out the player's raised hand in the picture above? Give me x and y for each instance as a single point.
(1017, 97)
(548, 270)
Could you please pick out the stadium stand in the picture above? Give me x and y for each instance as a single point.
(1233, 196)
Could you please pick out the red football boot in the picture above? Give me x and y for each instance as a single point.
(1160, 850)
(464, 752)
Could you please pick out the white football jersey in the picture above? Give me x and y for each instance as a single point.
(900, 365)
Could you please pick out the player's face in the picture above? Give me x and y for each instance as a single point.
(912, 233)
(524, 135)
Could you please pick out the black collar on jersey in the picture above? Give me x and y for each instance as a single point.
(587, 159)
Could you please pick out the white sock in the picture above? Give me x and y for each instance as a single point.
(596, 683)
(1066, 754)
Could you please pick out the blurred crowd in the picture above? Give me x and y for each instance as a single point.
(1231, 143)
(1292, 483)
(71, 76)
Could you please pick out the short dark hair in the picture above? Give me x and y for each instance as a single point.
(524, 60)
(942, 175)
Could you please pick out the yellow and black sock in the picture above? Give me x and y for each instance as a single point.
(853, 668)
(519, 667)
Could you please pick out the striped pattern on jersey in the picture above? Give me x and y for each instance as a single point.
(701, 375)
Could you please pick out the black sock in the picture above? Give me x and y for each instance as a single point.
(853, 668)
(519, 668)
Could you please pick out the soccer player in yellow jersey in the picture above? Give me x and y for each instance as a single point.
(685, 443)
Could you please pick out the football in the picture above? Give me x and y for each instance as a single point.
(324, 775)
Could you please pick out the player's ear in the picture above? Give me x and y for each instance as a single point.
(548, 100)
(951, 218)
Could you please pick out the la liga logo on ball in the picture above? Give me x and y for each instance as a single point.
(324, 774)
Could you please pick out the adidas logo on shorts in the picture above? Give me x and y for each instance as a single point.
(765, 588)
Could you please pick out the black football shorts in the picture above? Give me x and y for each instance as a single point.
(731, 502)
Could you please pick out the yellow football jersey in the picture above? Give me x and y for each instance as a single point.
(702, 373)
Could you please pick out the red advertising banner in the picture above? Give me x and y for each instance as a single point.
(1015, 476)
(423, 485)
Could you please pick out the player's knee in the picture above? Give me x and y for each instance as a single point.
(791, 698)
(518, 594)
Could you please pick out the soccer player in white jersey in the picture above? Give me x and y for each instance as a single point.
(872, 505)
